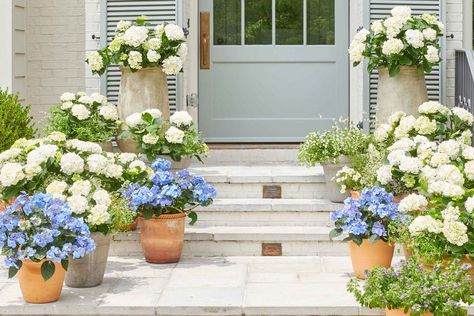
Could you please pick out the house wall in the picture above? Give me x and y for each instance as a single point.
(56, 51)
(6, 52)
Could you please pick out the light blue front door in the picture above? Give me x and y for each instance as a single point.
(272, 70)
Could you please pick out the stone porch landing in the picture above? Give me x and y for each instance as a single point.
(205, 286)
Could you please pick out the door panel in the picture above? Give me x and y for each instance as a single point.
(289, 78)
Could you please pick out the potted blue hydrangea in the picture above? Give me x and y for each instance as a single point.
(365, 221)
(38, 235)
(163, 202)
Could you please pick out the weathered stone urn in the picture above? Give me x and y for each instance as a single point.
(144, 89)
(405, 92)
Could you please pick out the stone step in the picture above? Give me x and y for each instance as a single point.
(244, 241)
(232, 286)
(234, 154)
(248, 181)
(267, 212)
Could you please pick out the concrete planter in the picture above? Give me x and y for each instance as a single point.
(144, 89)
(330, 169)
(404, 92)
(89, 271)
(107, 147)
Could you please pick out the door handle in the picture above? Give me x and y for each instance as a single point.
(205, 30)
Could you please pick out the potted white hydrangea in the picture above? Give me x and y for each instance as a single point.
(402, 48)
(146, 56)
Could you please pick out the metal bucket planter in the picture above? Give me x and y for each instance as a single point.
(89, 271)
(144, 89)
(330, 169)
(405, 92)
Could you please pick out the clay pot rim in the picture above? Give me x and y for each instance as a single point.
(165, 217)
(391, 244)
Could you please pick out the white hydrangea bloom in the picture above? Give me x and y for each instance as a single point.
(377, 27)
(56, 137)
(114, 171)
(155, 113)
(405, 144)
(441, 26)
(393, 26)
(31, 171)
(174, 32)
(98, 215)
(81, 187)
(135, 35)
(469, 170)
(424, 125)
(415, 38)
(66, 105)
(153, 56)
(430, 34)
(395, 157)
(109, 112)
(395, 117)
(405, 126)
(413, 202)
(83, 146)
(181, 118)
(56, 189)
(11, 174)
(183, 51)
(432, 54)
(174, 135)
(127, 157)
(384, 174)
(80, 111)
(116, 44)
(464, 115)
(67, 96)
(159, 30)
(420, 139)
(381, 132)
(137, 164)
(450, 173)
(41, 154)
(450, 147)
(455, 232)
(95, 61)
(154, 43)
(411, 165)
(123, 25)
(428, 173)
(78, 203)
(425, 224)
(469, 205)
(135, 59)
(445, 188)
(134, 120)
(356, 50)
(72, 163)
(392, 46)
(102, 197)
(85, 99)
(451, 213)
(97, 163)
(172, 65)
(361, 35)
(150, 139)
(98, 98)
(466, 137)
(467, 153)
(403, 12)
(429, 18)
(439, 159)
(432, 107)
(10, 154)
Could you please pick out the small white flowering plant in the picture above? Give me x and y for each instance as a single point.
(137, 45)
(399, 40)
(415, 146)
(344, 139)
(85, 117)
(176, 137)
(74, 171)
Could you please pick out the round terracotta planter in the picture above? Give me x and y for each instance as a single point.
(401, 312)
(34, 288)
(368, 256)
(355, 195)
(4, 204)
(162, 238)
(107, 147)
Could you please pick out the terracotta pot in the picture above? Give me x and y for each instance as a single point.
(107, 147)
(33, 287)
(4, 204)
(404, 92)
(133, 225)
(401, 312)
(368, 256)
(144, 89)
(398, 198)
(355, 195)
(162, 238)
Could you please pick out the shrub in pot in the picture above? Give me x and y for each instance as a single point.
(38, 236)
(409, 289)
(366, 220)
(333, 149)
(164, 202)
(176, 138)
(85, 117)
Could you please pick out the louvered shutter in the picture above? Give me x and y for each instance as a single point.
(158, 11)
(380, 9)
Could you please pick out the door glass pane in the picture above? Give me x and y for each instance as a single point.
(258, 22)
(289, 22)
(227, 22)
(321, 24)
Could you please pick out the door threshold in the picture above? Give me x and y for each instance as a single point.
(254, 146)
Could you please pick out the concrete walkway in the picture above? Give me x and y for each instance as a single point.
(205, 286)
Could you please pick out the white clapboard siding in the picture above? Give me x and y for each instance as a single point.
(158, 11)
(380, 9)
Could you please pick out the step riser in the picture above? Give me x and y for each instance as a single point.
(222, 156)
(256, 218)
(255, 190)
(239, 248)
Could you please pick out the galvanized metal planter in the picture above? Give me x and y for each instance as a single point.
(330, 169)
(89, 271)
